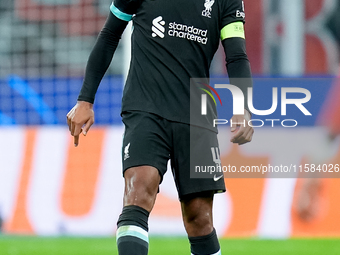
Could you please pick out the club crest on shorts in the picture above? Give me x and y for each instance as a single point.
(126, 152)
(208, 8)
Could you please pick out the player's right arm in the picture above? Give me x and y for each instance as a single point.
(81, 116)
(239, 73)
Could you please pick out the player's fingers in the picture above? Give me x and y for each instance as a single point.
(76, 140)
(249, 135)
(245, 140)
(69, 123)
(233, 128)
(242, 140)
(77, 129)
(68, 119)
(237, 135)
(88, 125)
(245, 137)
(72, 127)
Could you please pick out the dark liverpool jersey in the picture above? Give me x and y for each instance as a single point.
(173, 41)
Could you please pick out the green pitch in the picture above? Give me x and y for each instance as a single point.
(163, 246)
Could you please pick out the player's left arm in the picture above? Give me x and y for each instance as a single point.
(239, 72)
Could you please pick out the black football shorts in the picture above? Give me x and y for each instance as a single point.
(150, 140)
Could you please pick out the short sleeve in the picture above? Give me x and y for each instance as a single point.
(232, 11)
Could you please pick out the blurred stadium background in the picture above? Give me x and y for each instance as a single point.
(49, 188)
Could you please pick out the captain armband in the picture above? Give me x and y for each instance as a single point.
(235, 29)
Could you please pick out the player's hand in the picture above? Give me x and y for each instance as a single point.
(80, 119)
(242, 132)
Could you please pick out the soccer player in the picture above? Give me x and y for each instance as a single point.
(172, 41)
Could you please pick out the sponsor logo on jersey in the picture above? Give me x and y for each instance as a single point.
(178, 30)
(241, 14)
(158, 27)
(188, 32)
(208, 8)
(126, 152)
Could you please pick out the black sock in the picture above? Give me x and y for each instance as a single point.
(205, 245)
(132, 231)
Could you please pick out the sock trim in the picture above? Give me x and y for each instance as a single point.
(132, 231)
(217, 253)
(132, 239)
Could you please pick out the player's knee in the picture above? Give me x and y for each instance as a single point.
(128, 6)
(198, 225)
(197, 215)
(140, 196)
(198, 222)
(198, 219)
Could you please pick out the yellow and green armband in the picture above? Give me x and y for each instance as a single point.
(235, 29)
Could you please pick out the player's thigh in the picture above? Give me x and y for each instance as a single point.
(145, 154)
(141, 186)
(145, 142)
